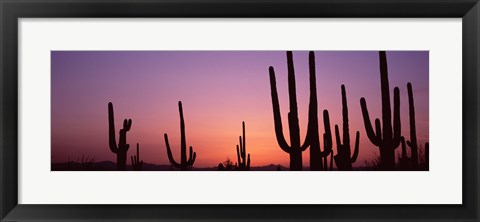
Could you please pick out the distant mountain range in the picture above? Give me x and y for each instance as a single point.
(111, 166)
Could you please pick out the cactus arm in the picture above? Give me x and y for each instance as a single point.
(127, 124)
(244, 140)
(413, 130)
(312, 107)
(337, 137)
(346, 131)
(325, 164)
(327, 147)
(169, 153)
(248, 162)
(372, 136)
(331, 161)
(396, 118)
(327, 143)
(355, 151)
(111, 129)
(404, 149)
(192, 157)
(276, 113)
(378, 129)
(242, 149)
(191, 154)
(327, 136)
(138, 154)
(238, 155)
(409, 143)
(136, 163)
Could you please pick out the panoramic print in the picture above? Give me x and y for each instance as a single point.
(239, 110)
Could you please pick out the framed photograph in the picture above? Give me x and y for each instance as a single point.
(225, 110)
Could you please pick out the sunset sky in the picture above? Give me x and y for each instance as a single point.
(219, 90)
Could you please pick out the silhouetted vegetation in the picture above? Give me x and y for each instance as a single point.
(295, 148)
(136, 163)
(243, 160)
(318, 158)
(389, 139)
(386, 135)
(227, 165)
(87, 162)
(343, 159)
(403, 160)
(122, 147)
(184, 163)
(412, 143)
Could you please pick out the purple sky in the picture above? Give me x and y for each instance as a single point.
(219, 90)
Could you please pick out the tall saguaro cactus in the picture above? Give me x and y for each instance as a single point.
(243, 160)
(136, 163)
(343, 159)
(184, 163)
(412, 143)
(295, 148)
(387, 138)
(122, 147)
(313, 133)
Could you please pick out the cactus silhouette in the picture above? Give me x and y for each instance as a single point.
(413, 132)
(343, 159)
(243, 160)
(184, 163)
(136, 163)
(404, 160)
(316, 155)
(122, 147)
(389, 139)
(295, 148)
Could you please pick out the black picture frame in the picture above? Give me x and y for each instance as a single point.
(12, 10)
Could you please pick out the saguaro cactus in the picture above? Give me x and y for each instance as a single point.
(343, 159)
(295, 148)
(413, 131)
(389, 139)
(122, 147)
(313, 133)
(136, 163)
(243, 160)
(184, 163)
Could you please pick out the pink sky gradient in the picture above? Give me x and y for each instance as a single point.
(219, 90)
